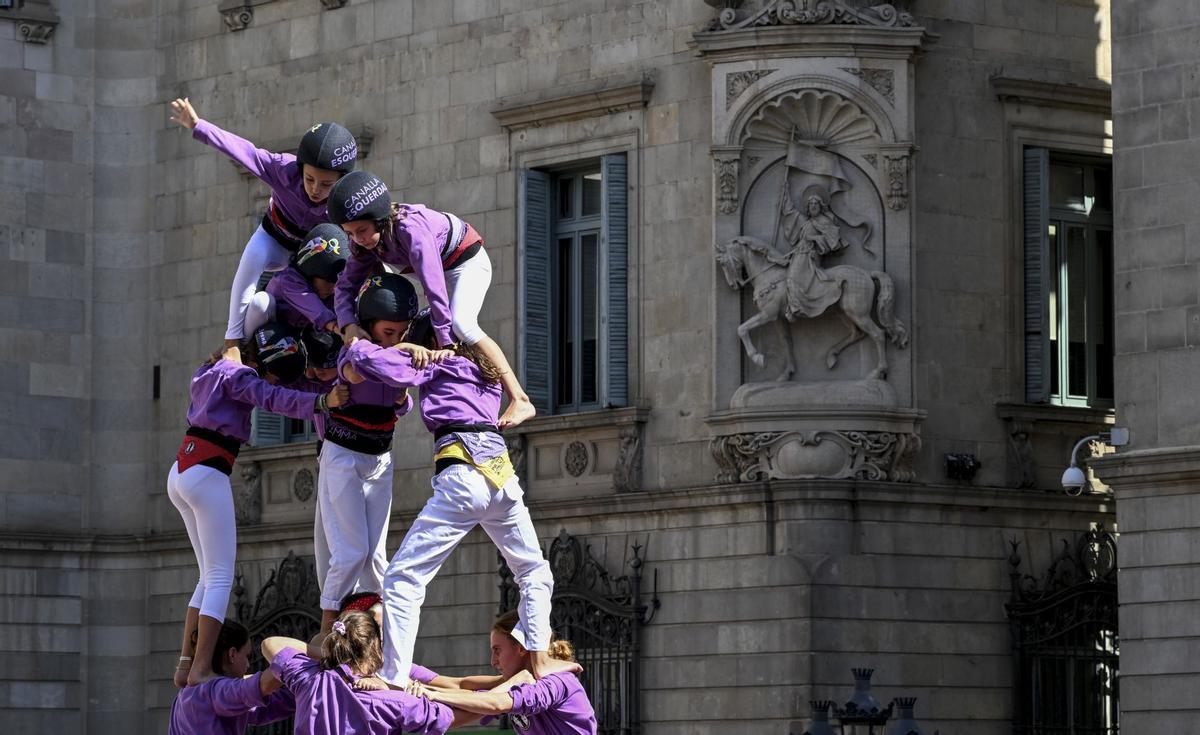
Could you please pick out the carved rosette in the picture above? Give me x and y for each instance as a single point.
(725, 174)
(897, 180)
(238, 18)
(774, 455)
(575, 460)
(302, 485)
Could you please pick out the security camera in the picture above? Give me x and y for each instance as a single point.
(1073, 481)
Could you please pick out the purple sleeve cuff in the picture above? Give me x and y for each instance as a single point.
(421, 674)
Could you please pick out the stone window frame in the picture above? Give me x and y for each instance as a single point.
(1063, 118)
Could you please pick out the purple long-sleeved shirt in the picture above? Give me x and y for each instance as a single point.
(227, 706)
(297, 302)
(326, 704)
(417, 241)
(553, 705)
(451, 392)
(280, 171)
(225, 392)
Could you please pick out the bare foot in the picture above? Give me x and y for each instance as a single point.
(199, 677)
(518, 411)
(541, 664)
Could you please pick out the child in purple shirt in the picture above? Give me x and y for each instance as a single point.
(301, 294)
(223, 394)
(230, 702)
(327, 703)
(473, 484)
(300, 186)
(445, 253)
(553, 705)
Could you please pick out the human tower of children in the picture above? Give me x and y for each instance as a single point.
(338, 339)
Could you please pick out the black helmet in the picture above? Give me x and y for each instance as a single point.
(328, 146)
(389, 296)
(420, 330)
(324, 254)
(322, 347)
(359, 195)
(280, 353)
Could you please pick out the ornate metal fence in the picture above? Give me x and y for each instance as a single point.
(602, 616)
(1064, 627)
(287, 604)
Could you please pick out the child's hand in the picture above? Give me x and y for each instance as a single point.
(351, 333)
(338, 396)
(232, 353)
(183, 113)
(350, 375)
(371, 684)
(423, 357)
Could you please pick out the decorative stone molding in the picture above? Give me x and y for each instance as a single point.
(582, 454)
(333, 4)
(303, 486)
(881, 80)
(36, 20)
(1047, 93)
(764, 13)
(239, 14)
(725, 175)
(897, 180)
(833, 443)
(363, 134)
(738, 81)
(590, 99)
(1040, 437)
(247, 498)
(627, 477)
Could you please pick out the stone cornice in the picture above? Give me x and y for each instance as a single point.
(1044, 93)
(862, 494)
(586, 420)
(1042, 413)
(35, 19)
(1156, 470)
(590, 99)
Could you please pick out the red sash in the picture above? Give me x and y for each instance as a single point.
(194, 450)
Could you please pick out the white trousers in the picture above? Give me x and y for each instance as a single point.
(463, 498)
(204, 498)
(259, 310)
(262, 253)
(466, 285)
(354, 500)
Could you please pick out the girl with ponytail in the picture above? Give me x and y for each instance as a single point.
(326, 701)
(553, 705)
(230, 702)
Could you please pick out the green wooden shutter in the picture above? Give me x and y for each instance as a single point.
(1037, 288)
(614, 355)
(533, 209)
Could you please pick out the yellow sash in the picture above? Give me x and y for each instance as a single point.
(498, 470)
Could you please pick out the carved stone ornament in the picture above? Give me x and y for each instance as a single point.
(882, 81)
(897, 181)
(33, 31)
(1020, 452)
(761, 13)
(237, 18)
(738, 81)
(627, 477)
(302, 486)
(35, 19)
(575, 459)
(517, 454)
(862, 455)
(726, 175)
(247, 499)
(333, 4)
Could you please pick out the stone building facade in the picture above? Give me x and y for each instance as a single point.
(789, 530)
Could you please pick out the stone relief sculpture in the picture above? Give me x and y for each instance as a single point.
(812, 104)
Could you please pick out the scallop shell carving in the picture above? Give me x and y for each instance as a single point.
(815, 115)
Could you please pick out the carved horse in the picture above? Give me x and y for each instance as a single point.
(855, 296)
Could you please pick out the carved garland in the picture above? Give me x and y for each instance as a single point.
(869, 455)
(897, 186)
(726, 175)
(811, 12)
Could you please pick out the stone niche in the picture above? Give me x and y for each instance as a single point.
(812, 140)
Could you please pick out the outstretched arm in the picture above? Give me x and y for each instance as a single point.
(276, 643)
(262, 163)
